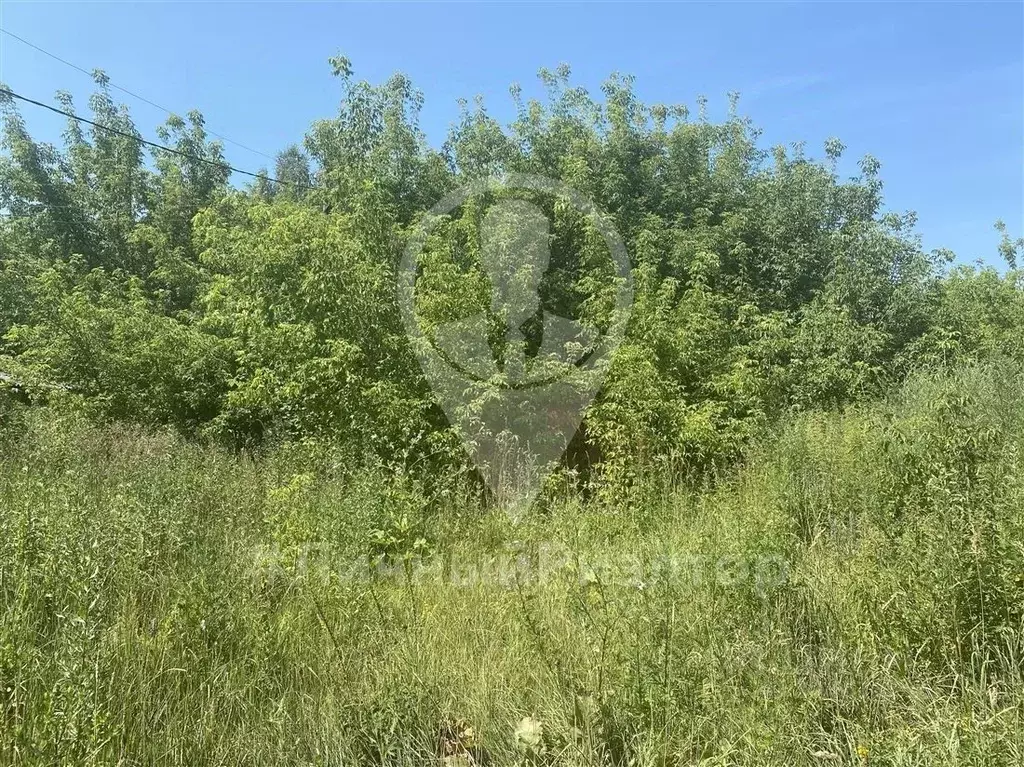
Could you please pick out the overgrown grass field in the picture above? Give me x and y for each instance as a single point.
(851, 595)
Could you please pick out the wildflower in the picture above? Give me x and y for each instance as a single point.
(529, 736)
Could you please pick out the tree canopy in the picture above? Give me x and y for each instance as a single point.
(142, 286)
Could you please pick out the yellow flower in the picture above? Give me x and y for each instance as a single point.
(862, 752)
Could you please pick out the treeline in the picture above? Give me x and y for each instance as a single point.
(139, 285)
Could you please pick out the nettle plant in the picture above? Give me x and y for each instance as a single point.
(400, 535)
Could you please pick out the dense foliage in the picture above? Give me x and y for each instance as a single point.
(236, 528)
(152, 291)
(852, 596)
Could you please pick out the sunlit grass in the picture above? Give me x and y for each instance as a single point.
(853, 596)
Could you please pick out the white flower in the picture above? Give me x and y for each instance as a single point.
(530, 736)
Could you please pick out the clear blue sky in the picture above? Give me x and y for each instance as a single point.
(935, 91)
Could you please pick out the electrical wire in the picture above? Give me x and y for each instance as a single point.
(153, 144)
(143, 99)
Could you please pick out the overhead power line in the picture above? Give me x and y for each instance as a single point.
(153, 144)
(55, 57)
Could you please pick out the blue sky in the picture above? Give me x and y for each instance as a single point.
(934, 90)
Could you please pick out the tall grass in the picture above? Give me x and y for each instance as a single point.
(853, 595)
